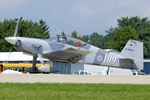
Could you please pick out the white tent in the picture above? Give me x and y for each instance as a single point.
(15, 56)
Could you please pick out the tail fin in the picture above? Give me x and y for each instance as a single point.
(134, 50)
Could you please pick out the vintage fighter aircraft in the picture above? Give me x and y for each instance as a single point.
(67, 49)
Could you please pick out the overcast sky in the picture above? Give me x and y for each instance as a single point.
(84, 16)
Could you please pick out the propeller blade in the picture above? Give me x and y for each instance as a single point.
(16, 29)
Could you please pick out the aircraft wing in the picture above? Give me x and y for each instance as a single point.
(66, 55)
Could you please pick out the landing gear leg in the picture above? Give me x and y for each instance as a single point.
(34, 64)
(33, 69)
(108, 70)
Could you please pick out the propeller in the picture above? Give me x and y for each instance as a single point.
(18, 42)
(12, 40)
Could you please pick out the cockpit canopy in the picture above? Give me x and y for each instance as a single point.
(70, 41)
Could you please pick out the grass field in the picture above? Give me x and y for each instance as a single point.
(12, 91)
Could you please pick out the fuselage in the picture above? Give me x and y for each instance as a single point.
(35, 46)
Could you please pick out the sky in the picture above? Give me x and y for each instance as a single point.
(84, 16)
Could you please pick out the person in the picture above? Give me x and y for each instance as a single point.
(64, 40)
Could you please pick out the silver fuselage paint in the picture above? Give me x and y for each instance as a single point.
(96, 56)
(99, 56)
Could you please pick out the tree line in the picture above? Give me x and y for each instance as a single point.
(136, 28)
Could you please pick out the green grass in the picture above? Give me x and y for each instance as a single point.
(12, 91)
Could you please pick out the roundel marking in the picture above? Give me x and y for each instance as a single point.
(99, 58)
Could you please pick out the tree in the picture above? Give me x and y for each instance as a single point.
(97, 40)
(74, 34)
(141, 25)
(63, 33)
(121, 36)
(84, 38)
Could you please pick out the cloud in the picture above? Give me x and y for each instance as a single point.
(7, 4)
(82, 10)
(85, 16)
